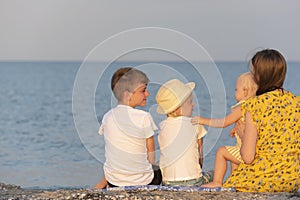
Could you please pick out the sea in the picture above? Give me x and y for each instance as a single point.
(51, 112)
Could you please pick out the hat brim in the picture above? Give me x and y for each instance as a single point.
(160, 110)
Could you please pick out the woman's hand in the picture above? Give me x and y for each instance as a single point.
(239, 128)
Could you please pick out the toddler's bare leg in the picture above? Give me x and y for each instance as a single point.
(222, 157)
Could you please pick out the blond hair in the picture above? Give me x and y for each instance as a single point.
(247, 81)
(177, 111)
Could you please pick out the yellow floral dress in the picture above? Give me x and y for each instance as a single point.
(276, 166)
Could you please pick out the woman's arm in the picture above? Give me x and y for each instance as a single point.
(219, 122)
(249, 140)
(200, 148)
(151, 149)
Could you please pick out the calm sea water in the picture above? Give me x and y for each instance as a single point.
(40, 146)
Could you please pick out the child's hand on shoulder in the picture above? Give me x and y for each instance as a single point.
(196, 120)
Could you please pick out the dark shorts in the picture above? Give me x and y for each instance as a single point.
(155, 181)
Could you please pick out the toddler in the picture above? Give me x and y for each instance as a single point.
(245, 88)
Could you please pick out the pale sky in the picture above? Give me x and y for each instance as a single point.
(61, 30)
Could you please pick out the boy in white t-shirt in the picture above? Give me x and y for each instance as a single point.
(128, 134)
(180, 142)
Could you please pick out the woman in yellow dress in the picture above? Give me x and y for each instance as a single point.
(271, 141)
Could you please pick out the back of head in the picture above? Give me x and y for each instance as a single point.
(269, 70)
(127, 79)
(248, 83)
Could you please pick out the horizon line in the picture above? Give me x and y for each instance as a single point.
(123, 61)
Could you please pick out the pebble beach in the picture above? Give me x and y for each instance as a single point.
(13, 192)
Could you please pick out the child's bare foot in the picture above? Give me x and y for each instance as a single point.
(101, 184)
(212, 185)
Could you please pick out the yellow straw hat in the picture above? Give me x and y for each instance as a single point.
(172, 94)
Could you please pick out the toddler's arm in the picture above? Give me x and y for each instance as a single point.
(219, 122)
(151, 149)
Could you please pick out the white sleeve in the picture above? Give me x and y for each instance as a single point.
(201, 131)
(149, 126)
(101, 130)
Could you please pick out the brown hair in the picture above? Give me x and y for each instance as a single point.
(127, 79)
(269, 70)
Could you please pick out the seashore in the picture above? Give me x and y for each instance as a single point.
(13, 192)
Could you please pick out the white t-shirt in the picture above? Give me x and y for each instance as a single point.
(125, 131)
(179, 153)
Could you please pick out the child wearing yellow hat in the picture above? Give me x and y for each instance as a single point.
(180, 142)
